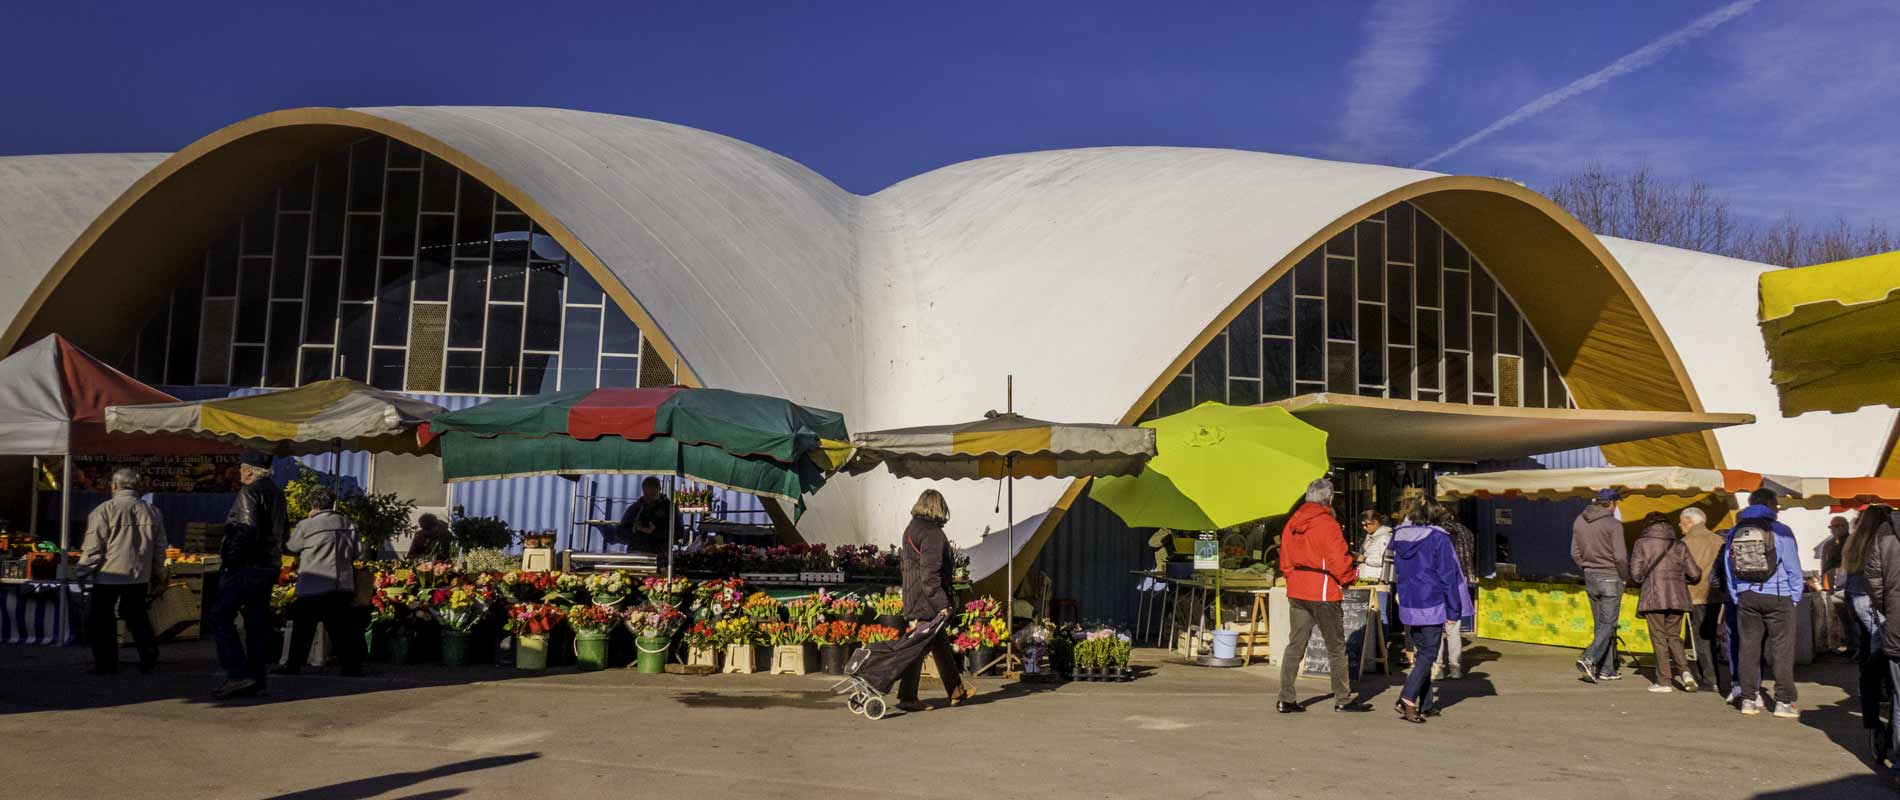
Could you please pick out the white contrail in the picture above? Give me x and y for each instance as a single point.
(1401, 50)
(1623, 66)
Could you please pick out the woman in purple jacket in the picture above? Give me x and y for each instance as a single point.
(1431, 590)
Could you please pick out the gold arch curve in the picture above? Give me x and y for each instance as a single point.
(142, 244)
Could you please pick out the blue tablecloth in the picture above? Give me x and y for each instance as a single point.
(29, 613)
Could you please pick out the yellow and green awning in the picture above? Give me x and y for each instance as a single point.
(1833, 334)
(1005, 445)
(314, 418)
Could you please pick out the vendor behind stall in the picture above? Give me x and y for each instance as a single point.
(644, 527)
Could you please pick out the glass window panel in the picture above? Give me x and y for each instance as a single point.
(1555, 396)
(502, 206)
(1371, 260)
(253, 300)
(1457, 311)
(1455, 255)
(1242, 392)
(501, 355)
(326, 225)
(359, 258)
(1533, 378)
(1310, 339)
(1210, 371)
(260, 226)
(581, 288)
(1484, 291)
(428, 323)
(286, 335)
(432, 257)
(1243, 343)
(507, 280)
(1484, 354)
(1508, 324)
(544, 310)
(1430, 396)
(1457, 378)
(1277, 365)
(1342, 367)
(1308, 388)
(326, 275)
(624, 372)
(1398, 370)
(385, 368)
(366, 175)
(317, 365)
(182, 360)
(474, 220)
(1428, 266)
(539, 371)
(1427, 353)
(399, 216)
(403, 155)
(1276, 309)
(1371, 344)
(1309, 276)
(1339, 294)
(581, 346)
(353, 340)
(463, 372)
(438, 185)
(1341, 244)
(295, 195)
(214, 349)
(247, 365)
(1398, 309)
(392, 304)
(221, 266)
(1398, 233)
(468, 303)
(293, 241)
(620, 336)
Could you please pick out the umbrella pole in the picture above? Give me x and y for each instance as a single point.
(33, 514)
(65, 531)
(1009, 541)
(671, 514)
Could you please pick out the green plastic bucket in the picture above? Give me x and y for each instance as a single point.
(531, 652)
(590, 650)
(652, 659)
(455, 648)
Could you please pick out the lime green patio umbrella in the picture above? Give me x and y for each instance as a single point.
(1217, 466)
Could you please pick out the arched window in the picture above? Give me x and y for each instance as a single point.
(387, 265)
(1392, 307)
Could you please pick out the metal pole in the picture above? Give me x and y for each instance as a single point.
(33, 514)
(65, 535)
(1009, 540)
(671, 514)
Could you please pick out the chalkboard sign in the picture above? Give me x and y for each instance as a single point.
(1354, 606)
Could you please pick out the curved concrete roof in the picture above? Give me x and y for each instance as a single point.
(45, 202)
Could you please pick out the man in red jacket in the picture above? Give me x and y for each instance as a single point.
(1317, 567)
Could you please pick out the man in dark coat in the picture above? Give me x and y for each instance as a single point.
(1597, 547)
(1882, 571)
(644, 527)
(254, 534)
(929, 589)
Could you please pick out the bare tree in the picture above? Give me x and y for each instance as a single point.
(1637, 205)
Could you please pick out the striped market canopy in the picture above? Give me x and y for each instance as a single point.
(1565, 484)
(984, 449)
(1833, 333)
(314, 418)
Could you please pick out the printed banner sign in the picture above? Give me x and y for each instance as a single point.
(217, 473)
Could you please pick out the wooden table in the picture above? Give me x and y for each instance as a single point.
(1195, 591)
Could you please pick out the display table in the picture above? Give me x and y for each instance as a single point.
(1554, 613)
(1195, 592)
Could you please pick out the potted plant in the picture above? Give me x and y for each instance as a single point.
(847, 609)
(609, 588)
(532, 624)
(792, 651)
(391, 612)
(653, 628)
(873, 634)
(889, 608)
(1088, 657)
(593, 625)
(569, 590)
(805, 612)
(526, 587)
(702, 645)
(762, 608)
(719, 599)
(461, 609)
(742, 641)
(660, 591)
(834, 644)
(980, 632)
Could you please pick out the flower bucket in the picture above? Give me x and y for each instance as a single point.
(402, 645)
(746, 659)
(455, 647)
(652, 658)
(794, 659)
(376, 642)
(1225, 642)
(703, 657)
(980, 658)
(531, 652)
(834, 657)
(895, 621)
(590, 650)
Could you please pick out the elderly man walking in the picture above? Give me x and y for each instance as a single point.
(1597, 547)
(326, 547)
(1317, 567)
(125, 553)
(1706, 600)
(252, 554)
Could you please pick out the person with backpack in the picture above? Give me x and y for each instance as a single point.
(1597, 547)
(1765, 583)
(1660, 562)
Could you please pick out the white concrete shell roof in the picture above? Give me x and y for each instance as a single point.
(45, 202)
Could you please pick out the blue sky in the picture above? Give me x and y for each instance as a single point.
(1785, 107)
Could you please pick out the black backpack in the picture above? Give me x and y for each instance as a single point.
(1751, 551)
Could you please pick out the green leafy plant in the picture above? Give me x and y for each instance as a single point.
(378, 517)
(473, 532)
(297, 492)
(488, 559)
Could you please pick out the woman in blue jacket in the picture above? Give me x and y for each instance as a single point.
(1431, 590)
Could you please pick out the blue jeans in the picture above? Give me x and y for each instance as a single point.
(1418, 682)
(1605, 590)
(244, 591)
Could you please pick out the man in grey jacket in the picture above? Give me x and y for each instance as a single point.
(125, 553)
(1598, 548)
(326, 547)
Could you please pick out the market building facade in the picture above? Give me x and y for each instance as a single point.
(1427, 321)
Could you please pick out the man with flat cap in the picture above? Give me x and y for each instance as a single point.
(252, 553)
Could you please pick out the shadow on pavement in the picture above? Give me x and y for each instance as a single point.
(1856, 788)
(382, 784)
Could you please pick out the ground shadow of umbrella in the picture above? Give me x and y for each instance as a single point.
(381, 784)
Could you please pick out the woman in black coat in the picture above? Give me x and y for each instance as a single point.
(927, 563)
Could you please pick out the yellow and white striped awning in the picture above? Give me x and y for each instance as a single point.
(314, 418)
(1833, 333)
(1006, 445)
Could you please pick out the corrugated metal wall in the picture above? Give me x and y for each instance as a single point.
(1089, 558)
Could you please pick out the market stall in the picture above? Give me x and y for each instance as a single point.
(1833, 333)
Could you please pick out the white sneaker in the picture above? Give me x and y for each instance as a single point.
(1786, 711)
(1689, 685)
(1751, 708)
(1660, 689)
(1734, 695)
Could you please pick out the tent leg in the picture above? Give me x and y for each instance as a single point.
(671, 515)
(65, 542)
(33, 514)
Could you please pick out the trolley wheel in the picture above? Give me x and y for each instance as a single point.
(874, 708)
(855, 702)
